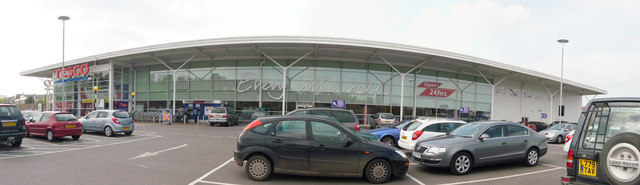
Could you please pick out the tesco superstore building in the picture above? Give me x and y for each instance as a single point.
(281, 74)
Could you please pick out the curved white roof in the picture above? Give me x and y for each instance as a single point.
(321, 48)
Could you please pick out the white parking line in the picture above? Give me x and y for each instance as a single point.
(414, 179)
(210, 172)
(220, 183)
(504, 177)
(551, 165)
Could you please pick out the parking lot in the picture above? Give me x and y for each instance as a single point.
(177, 154)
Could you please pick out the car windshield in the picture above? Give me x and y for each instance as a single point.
(64, 117)
(121, 114)
(218, 110)
(467, 130)
(556, 127)
(10, 112)
(386, 116)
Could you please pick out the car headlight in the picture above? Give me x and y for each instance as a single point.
(435, 150)
(401, 154)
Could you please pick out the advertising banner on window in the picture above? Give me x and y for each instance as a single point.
(433, 90)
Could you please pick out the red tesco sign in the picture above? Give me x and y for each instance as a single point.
(72, 71)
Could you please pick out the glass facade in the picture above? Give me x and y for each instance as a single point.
(247, 84)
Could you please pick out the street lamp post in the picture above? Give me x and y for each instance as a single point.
(64, 103)
(561, 107)
(133, 102)
(95, 98)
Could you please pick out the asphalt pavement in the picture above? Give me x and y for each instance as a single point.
(178, 154)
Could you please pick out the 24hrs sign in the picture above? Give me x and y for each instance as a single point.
(433, 90)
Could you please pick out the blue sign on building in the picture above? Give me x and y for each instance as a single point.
(464, 110)
(338, 104)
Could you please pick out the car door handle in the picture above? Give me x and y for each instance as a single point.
(276, 141)
(504, 143)
(320, 146)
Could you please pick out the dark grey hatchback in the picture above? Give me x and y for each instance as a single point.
(309, 145)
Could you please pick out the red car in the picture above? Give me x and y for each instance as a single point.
(54, 125)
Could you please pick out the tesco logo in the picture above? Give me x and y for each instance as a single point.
(72, 71)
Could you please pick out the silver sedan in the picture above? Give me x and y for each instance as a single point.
(557, 133)
(481, 143)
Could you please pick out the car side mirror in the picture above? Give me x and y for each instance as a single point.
(30, 121)
(348, 142)
(483, 136)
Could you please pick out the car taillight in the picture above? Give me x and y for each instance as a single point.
(569, 138)
(570, 159)
(224, 116)
(357, 127)
(379, 120)
(115, 120)
(252, 124)
(131, 120)
(416, 134)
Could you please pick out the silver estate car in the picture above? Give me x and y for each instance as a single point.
(108, 122)
(481, 143)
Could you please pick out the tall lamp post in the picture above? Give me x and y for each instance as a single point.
(561, 107)
(133, 102)
(95, 98)
(64, 103)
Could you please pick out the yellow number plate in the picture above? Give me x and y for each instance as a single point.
(9, 124)
(217, 115)
(587, 167)
(404, 137)
(70, 126)
(127, 128)
(387, 122)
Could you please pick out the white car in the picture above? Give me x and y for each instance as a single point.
(567, 143)
(425, 128)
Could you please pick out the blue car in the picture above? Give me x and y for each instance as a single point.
(390, 135)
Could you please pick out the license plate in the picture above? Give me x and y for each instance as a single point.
(404, 137)
(70, 126)
(217, 116)
(587, 167)
(387, 122)
(127, 128)
(9, 124)
(416, 154)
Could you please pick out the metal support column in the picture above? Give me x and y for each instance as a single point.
(110, 85)
(493, 89)
(550, 115)
(402, 82)
(173, 109)
(284, 76)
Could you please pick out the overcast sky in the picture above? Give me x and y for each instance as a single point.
(603, 48)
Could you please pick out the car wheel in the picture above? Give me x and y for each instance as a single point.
(531, 159)
(212, 124)
(388, 140)
(259, 168)
(108, 131)
(75, 137)
(17, 143)
(461, 163)
(559, 139)
(620, 157)
(128, 133)
(28, 134)
(50, 135)
(378, 171)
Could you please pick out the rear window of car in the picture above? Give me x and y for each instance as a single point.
(605, 120)
(343, 116)
(121, 114)
(412, 126)
(64, 117)
(10, 112)
(386, 116)
(219, 110)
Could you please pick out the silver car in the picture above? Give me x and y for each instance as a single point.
(108, 122)
(223, 115)
(481, 143)
(557, 133)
